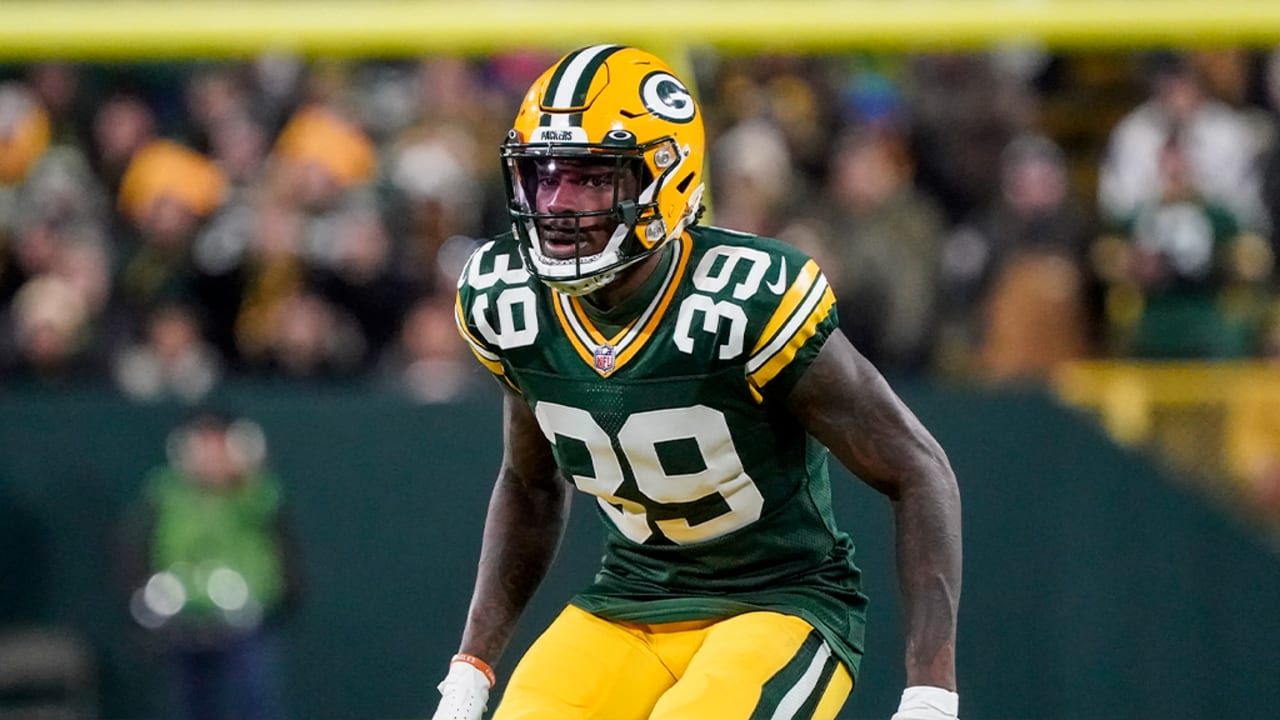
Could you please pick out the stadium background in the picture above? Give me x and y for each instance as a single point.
(1100, 581)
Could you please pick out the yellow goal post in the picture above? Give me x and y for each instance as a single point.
(131, 30)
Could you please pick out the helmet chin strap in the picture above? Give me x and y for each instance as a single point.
(583, 286)
(587, 285)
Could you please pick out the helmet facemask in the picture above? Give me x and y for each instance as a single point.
(578, 251)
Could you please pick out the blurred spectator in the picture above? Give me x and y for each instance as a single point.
(428, 363)
(799, 106)
(51, 335)
(444, 183)
(62, 190)
(872, 97)
(24, 136)
(84, 260)
(171, 362)
(59, 325)
(57, 85)
(276, 83)
(309, 338)
(122, 125)
(214, 95)
(24, 132)
(238, 145)
(363, 282)
(437, 183)
(33, 249)
(1220, 145)
(321, 158)
(1014, 274)
(323, 166)
(387, 98)
(785, 96)
(1271, 160)
(274, 271)
(212, 568)
(964, 108)
(167, 194)
(1186, 282)
(752, 176)
(882, 238)
(310, 243)
(167, 190)
(238, 142)
(221, 259)
(323, 255)
(48, 196)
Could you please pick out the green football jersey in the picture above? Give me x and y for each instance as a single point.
(715, 498)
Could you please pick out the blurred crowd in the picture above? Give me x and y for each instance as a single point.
(984, 216)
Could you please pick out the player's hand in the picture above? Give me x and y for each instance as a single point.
(464, 693)
(925, 702)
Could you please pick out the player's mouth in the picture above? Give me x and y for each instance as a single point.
(569, 242)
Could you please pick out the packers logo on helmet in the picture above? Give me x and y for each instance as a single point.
(667, 97)
(622, 113)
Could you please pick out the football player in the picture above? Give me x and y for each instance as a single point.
(691, 379)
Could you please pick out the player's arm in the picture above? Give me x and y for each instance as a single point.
(846, 404)
(522, 530)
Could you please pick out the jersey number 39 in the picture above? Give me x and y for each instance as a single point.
(641, 440)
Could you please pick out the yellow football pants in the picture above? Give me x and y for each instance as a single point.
(758, 665)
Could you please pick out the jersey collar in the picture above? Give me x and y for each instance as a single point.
(586, 326)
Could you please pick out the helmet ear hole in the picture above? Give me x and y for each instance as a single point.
(683, 185)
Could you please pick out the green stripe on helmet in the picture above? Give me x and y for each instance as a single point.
(554, 83)
(589, 74)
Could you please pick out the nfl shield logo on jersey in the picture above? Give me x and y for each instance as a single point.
(604, 358)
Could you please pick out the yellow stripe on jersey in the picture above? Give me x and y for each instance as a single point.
(460, 319)
(585, 337)
(497, 369)
(682, 262)
(486, 358)
(584, 352)
(592, 331)
(791, 299)
(802, 326)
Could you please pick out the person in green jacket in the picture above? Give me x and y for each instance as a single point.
(214, 568)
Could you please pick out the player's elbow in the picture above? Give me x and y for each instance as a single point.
(928, 473)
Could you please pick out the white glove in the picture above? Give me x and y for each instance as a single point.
(464, 693)
(925, 702)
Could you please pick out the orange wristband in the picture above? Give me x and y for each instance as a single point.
(478, 664)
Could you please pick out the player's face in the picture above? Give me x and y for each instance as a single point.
(567, 186)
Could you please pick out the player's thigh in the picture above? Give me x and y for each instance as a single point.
(759, 665)
(584, 668)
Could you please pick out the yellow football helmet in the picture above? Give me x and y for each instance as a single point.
(607, 104)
